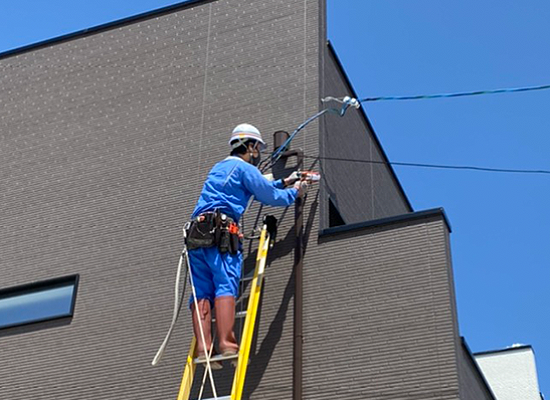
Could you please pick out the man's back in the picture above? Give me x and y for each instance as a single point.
(231, 183)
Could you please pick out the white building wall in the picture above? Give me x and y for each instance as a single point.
(512, 373)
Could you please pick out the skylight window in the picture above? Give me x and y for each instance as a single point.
(38, 302)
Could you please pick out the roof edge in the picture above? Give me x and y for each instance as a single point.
(367, 121)
(413, 216)
(508, 349)
(101, 28)
(476, 366)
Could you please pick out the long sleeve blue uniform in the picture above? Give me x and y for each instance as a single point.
(231, 183)
(228, 188)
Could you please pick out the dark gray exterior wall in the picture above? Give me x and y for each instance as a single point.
(378, 314)
(473, 385)
(361, 192)
(105, 142)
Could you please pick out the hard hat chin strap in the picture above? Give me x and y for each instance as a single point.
(239, 143)
(242, 142)
(255, 160)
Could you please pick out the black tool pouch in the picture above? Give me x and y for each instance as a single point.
(201, 232)
(235, 243)
(222, 234)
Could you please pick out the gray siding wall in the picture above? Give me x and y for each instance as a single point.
(378, 315)
(361, 192)
(105, 142)
(472, 383)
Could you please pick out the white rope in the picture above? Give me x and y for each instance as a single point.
(177, 309)
(206, 353)
(205, 374)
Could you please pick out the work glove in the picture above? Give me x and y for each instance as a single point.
(301, 187)
(291, 179)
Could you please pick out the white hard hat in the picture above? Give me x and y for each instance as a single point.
(244, 132)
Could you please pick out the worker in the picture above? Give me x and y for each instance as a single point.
(214, 239)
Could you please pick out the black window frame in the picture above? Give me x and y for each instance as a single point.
(34, 287)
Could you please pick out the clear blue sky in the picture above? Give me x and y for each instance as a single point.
(501, 222)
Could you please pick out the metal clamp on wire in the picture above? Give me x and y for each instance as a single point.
(352, 102)
(346, 103)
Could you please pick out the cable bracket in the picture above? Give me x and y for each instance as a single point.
(346, 103)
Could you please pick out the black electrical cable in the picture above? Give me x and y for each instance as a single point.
(439, 166)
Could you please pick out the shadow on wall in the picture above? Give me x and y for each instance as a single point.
(261, 359)
(36, 326)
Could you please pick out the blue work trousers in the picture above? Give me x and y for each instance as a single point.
(215, 274)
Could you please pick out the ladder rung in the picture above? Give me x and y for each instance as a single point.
(220, 398)
(240, 314)
(219, 357)
(248, 277)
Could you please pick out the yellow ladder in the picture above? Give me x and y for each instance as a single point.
(268, 232)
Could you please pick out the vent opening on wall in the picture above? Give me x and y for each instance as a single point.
(334, 217)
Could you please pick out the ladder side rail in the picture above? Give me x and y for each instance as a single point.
(250, 320)
(188, 373)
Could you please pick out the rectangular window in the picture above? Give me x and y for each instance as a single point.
(36, 302)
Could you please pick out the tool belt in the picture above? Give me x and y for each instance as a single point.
(214, 229)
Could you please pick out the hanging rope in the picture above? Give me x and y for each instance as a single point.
(207, 352)
(178, 300)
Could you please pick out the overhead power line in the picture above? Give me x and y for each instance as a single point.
(439, 166)
(456, 94)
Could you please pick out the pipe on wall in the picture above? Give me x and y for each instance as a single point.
(297, 375)
(297, 370)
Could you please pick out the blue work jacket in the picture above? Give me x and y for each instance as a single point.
(231, 182)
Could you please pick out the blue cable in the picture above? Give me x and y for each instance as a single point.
(284, 147)
(458, 94)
